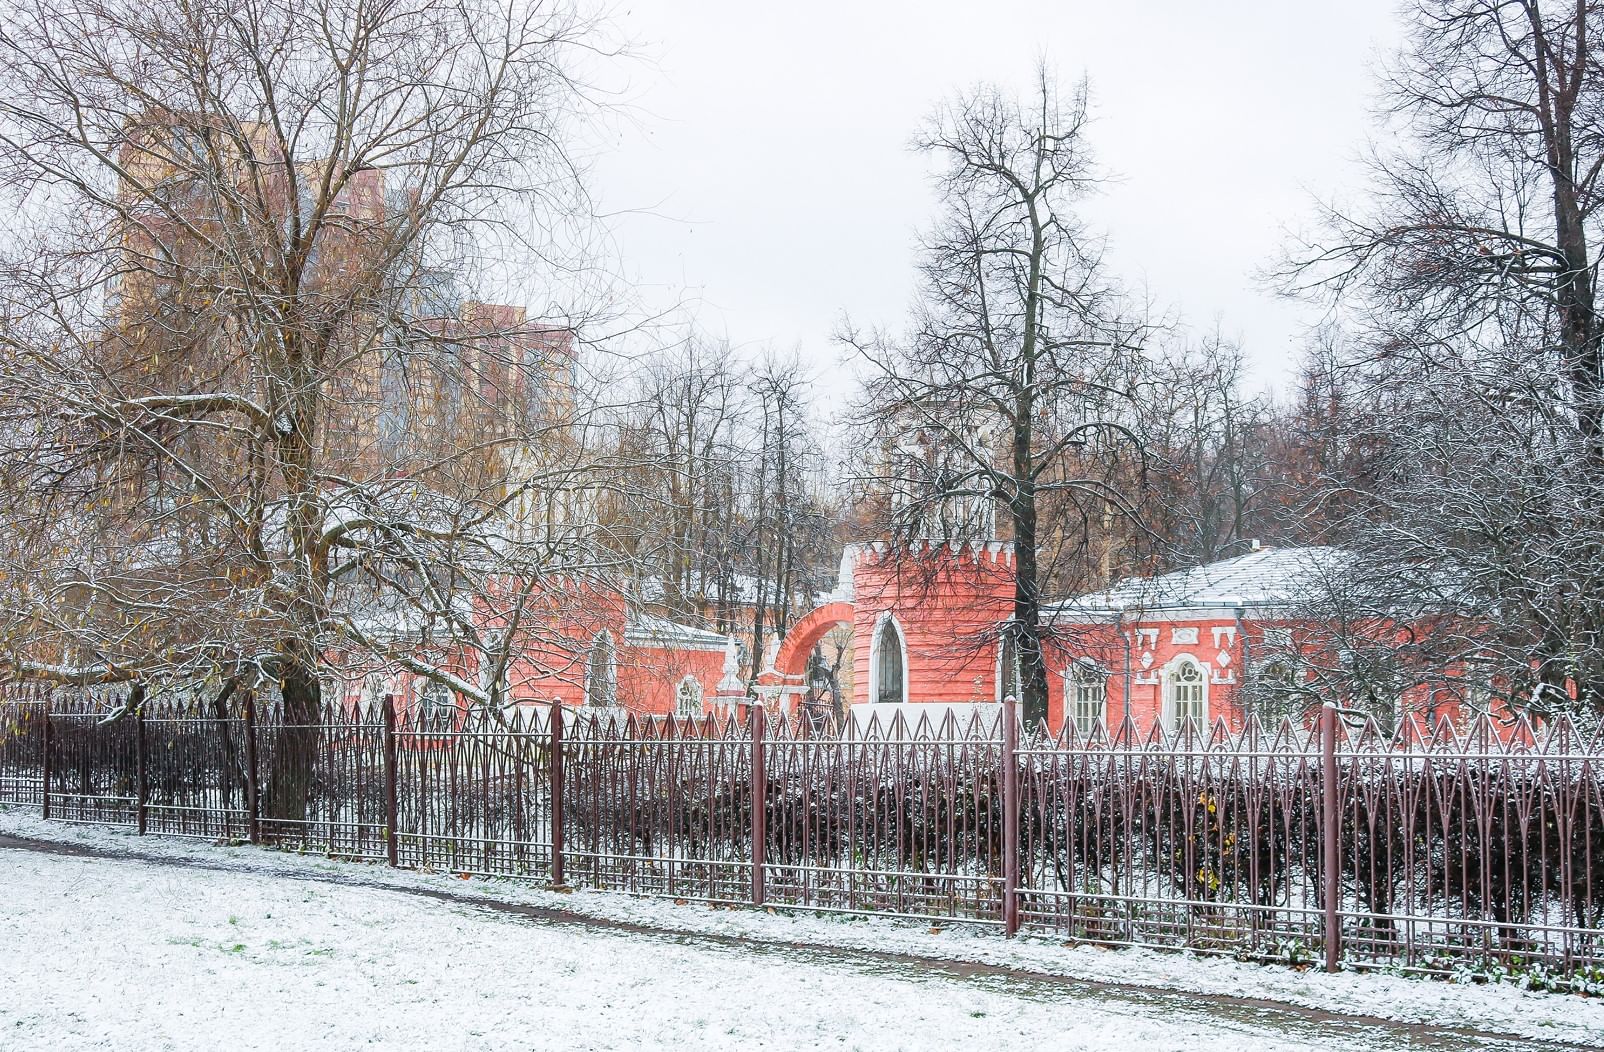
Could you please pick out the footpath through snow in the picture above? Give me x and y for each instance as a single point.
(194, 945)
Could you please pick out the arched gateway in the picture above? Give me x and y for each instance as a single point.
(915, 617)
(791, 660)
(786, 679)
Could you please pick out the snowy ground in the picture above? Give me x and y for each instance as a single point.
(196, 946)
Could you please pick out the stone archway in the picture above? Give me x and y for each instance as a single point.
(791, 660)
(786, 678)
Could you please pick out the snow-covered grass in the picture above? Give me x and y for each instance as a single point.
(142, 955)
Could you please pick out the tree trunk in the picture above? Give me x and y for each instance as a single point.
(231, 761)
(290, 778)
(1027, 620)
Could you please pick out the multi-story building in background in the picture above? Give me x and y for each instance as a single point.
(418, 392)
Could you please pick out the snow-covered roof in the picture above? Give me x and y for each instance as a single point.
(653, 631)
(1266, 578)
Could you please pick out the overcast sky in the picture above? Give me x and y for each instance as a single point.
(770, 186)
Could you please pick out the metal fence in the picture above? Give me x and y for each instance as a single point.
(1422, 849)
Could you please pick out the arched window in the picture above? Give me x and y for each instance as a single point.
(1478, 691)
(601, 673)
(888, 682)
(1088, 696)
(688, 697)
(1188, 693)
(373, 688)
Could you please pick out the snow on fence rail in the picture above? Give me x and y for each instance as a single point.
(1417, 849)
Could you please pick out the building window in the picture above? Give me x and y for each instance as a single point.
(1188, 694)
(395, 414)
(435, 702)
(1088, 693)
(601, 673)
(373, 689)
(688, 697)
(887, 665)
(1477, 690)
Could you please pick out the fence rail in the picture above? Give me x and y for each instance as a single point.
(1419, 849)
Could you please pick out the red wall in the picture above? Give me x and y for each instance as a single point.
(948, 605)
(557, 627)
(1152, 647)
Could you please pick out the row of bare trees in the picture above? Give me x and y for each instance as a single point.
(1464, 365)
(1031, 398)
(733, 520)
(260, 417)
(265, 422)
(1447, 428)
(263, 419)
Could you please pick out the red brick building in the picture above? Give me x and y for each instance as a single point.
(1196, 645)
(590, 649)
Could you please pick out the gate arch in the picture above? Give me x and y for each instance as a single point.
(791, 660)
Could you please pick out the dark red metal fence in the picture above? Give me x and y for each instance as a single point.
(1206, 841)
(473, 795)
(322, 784)
(22, 744)
(195, 780)
(1420, 849)
(92, 757)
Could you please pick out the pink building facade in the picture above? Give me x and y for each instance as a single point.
(1206, 645)
(576, 645)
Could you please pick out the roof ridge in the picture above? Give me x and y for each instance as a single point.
(1267, 575)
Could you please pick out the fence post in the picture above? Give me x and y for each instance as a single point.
(1330, 836)
(760, 800)
(253, 807)
(141, 783)
(555, 722)
(44, 809)
(1010, 817)
(670, 790)
(390, 810)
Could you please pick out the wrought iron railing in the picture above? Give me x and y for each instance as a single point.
(1426, 848)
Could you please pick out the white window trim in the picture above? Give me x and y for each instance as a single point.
(1289, 666)
(431, 707)
(1019, 678)
(874, 655)
(1167, 714)
(1077, 668)
(375, 685)
(696, 692)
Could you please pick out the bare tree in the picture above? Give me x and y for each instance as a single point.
(1489, 207)
(1014, 385)
(730, 456)
(1321, 456)
(789, 537)
(685, 426)
(1206, 470)
(257, 423)
(1470, 291)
